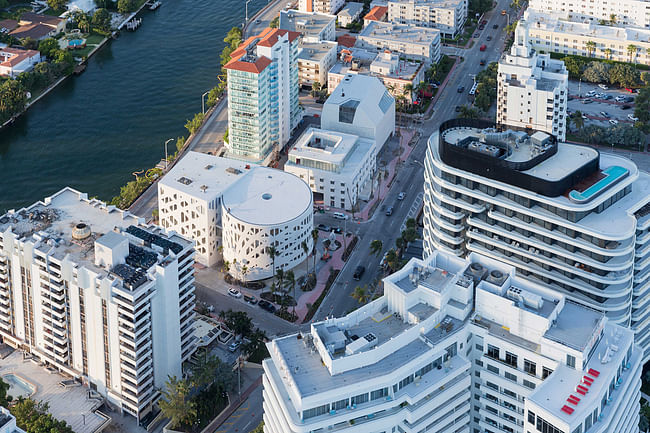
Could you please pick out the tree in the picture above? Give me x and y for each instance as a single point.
(195, 123)
(407, 91)
(232, 40)
(315, 89)
(410, 223)
(64, 60)
(244, 271)
(237, 321)
(360, 294)
(259, 428)
(305, 249)
(392, 260)
(645, 77)
(29, 43)
(612, 18)
(624, 75)
(290, 284)
(577, 120)
(314, 237)
(631, 51)
(35, 418)
(57, 5)
(275, 22)
(467, 112)
(608, 53)
(280, 276)
(204, 369)
(126, 6)
(642, 106)
(596, 72)
(272, 252)
(12, 99)
(376, 246)
(4, 397)
(47, 46)
(102, 20)
(4, 4)
(175, 403)
(410, 234)
(590, 46)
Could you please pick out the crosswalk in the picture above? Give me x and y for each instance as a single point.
(413, 211)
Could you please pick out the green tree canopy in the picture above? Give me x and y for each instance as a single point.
(175, 403)
(126, 6)
(102, 20)
(596, 72)
(623, 75)
(238, 322)
(12, 99)
(47, 46)
(33, 417)
(57, 5)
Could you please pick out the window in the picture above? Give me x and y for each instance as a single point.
(529, 384)
(316, 411)
(493, 351)
(361, 398)
(379, 393)
(571, 361)
(510, 376)
(511, 359)
(546, 372)
(530, 367)
(546, 427)
(341, 404)
(493, 369)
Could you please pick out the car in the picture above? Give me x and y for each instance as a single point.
(234, 293)
(481, 27)
(605, 114)
(613, 121)
(234, 346)
(337, 230)
(358, 272)
(389, 211)
(599, 96)
(602, 86)
(250, 299)
(460, 89)
(482, 62)
(484, 22)
(503, 12)
(584, 116)
(483, 47)
(457, 108)
(382, 264)
(496, 26)
(324, 228)
(629, 90)
(619, 98)
(477, 35)
(339, 216)
(266, 305)
(626, 107)
(632, 118)
(489, 38)
(629, 99)
(401, 195)
(257, 21)
(591, 93)
(587, 101)
(607, 96)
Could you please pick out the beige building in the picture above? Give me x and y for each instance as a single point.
(314, 62)
(557, 33)
(322, 6)
(626, 12)
(411, 42)
(448, 16)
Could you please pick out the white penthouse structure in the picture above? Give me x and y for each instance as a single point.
(338, 167)
(448, 16)
(532, 88)
(411, 42)
(456, 345)
(311, 25)
(360, 105)
(625, 12)
(564, 214)
(556, 32)
(263, 89)
(329, 7)
(241, 209)
(91, 291)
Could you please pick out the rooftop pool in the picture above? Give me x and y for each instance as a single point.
(18, 387)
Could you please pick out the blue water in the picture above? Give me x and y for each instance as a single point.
(612, 174)
(17, 386)
(95, 130)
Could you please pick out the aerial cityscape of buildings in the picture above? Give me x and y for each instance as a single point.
(389, 251)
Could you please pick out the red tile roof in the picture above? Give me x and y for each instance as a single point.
(254, 67)
(14, 56)
(377, 13)
(267, 38)
(271, 38)
(35, 31)
(346, 40)
(8, 24)
(38, 18)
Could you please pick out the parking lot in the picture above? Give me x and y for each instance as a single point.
(593, 111)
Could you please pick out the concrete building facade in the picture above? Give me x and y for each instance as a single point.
(626, 12)
(330, 7)
(533, 89)
(314, 62)
(448, 16)
(311, 25)
(411, 42)
(90, 290)
(349, 14)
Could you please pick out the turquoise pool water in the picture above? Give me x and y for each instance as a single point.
(612, 175)
(17, 386)
(75, 42)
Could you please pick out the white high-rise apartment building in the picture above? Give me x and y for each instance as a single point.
(263, 89)
(626, 12)
(448, 16)
(532, 88)
(93, 292)
(567, 215)
(456, 345)
(330, 7)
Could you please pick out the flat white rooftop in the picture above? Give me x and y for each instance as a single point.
(363, 60)
(316, 51)
(431, 3)
(266, 196)
(307, 23)
(400, 32)
(204, 176)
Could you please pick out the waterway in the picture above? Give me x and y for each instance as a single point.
(95, 130)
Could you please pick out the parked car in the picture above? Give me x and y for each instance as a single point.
(461, 89)
(389, 211)
(483, 47)
(358, 272)
(496, 26)
(266, 305)
(482, 62)
(629, 99)
(324, 228)
(484, 22)
(626, 107)
(234, 346)
(457, 108)
(632, 118)
(257, 21)
(600, 96)
(591, 93)
(605, 114)
(607, 96)
(602, 86)
(250, 299)
(620, 98)
(584, 116)
(234, 293)
(481, 27)
(613, 121)
(489, 38)
(339, 216)
(587, 101)
(401, 195)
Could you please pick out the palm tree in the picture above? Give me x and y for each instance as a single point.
(591, 47)
(244, 271)
(280, 276)
(468, 112)
(577, 120)
(376, 247)
(291, 284)
(422, 87)
(612, 18)
(314, 236)
(407, 91)
(631, 51)
(392, 260)
(175, 403)
(272, 252)
(360, 294)
(226, 266)
(305, 249)
(608, 53)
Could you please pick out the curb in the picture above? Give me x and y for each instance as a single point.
(232, 407)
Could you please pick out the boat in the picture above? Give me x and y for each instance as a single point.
(79, 69)
(154, 5)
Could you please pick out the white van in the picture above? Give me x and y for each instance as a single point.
(339, 215)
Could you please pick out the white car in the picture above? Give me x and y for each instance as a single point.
(620, 98)
(632, 118)
(613, 121)
(339, 216)
(602, 86)
(591, 93)
(401, 195)
(234, 293)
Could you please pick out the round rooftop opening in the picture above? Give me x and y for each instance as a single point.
(81, 226)
(266, 196)
(80, 231)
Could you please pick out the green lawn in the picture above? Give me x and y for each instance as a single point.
(52, 12)
(94, 39)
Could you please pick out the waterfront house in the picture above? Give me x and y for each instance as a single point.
(37, 26)
(7, 25)
(14, 61)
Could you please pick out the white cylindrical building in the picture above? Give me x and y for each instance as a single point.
(266, 208)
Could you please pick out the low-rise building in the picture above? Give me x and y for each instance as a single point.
(625, 12)
(37, 26)
(314, 62)
(91, 291)
(8, 422)
(377, 13)
(15, 61)
(313, 25)
(533, 90)
(360, 105)
(411, 42)
(448, 16)
(323, 6)
(338, 167)
(394, 73)
(216, 202)
(456, 345)
(556, 32)
(349, 14)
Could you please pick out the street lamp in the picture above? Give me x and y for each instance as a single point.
(166, 161)
(203, 102)
(247, 1)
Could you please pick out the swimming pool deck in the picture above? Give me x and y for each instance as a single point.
(67, 404)
(612, 174)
